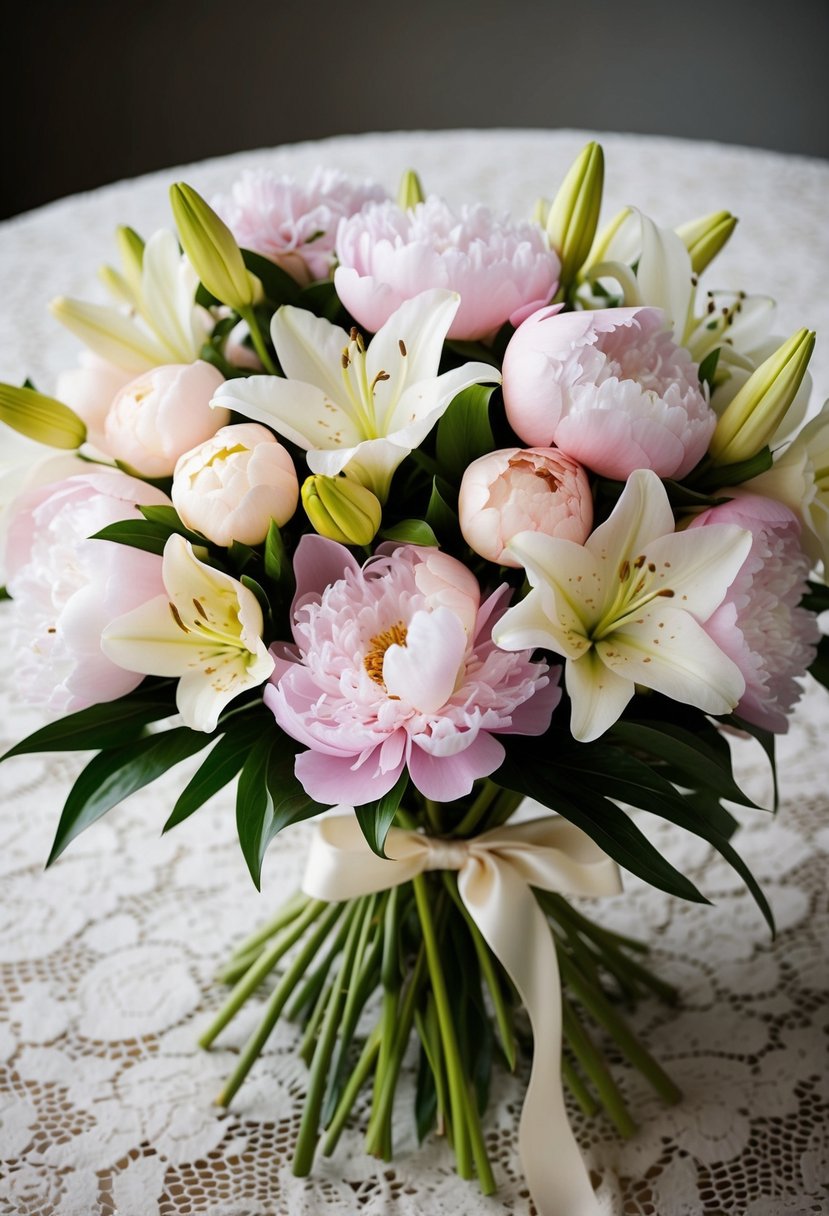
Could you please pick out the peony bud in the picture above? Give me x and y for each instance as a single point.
(523, 490)
(341, 509)
(157, 417)
(212, 250)
(410, 191)
(705, 237)
(574, 214)
(40, 418)
(231, 486)
(752, 418)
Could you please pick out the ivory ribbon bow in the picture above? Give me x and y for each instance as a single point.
(496, 872)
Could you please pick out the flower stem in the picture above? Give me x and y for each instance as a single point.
(265, 964)
(249, 315)
(454, 1066)
(353, 1086)
(594, 1065)
(489, 791)
(379, 1133)
(277, 1001)
(288, 912)
(577, 1088)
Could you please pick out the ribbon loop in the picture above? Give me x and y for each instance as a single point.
(496, 873)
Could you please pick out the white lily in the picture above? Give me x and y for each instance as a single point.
(356, 409)
(163, 325)
(207, 629)
(628, 607)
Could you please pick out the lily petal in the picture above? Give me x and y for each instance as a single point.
(423, 403)
(700, 574)
(575, 578)
(168, 305)
(298, 411)
(309, 348)
(597, 693)
(408, 347)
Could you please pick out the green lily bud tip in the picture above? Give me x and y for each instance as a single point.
(410, 191)
(574, 215)
(706, 236)
(211, 249)
(341, 509)
(41, 418)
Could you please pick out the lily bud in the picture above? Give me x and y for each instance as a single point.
(574, 214)
(706, 236)
(41, 418)
(752, 418)
(410, 191)
(602, 243)
(341, 509)
(211, 249)
(131, 249)
(540, 212)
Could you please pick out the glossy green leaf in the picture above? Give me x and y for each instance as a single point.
(440, 516)
(277, 284)
(114, 774)
(464, 432)
(218, 769)
(690, 754)
(277, 562)
(375, 818)
(143, 534)
(411, 532)
(101, 726)
(169, 518)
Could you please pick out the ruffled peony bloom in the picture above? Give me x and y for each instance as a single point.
(387, 255)
(523, 490)
(66, 588)
(608, 387)
(294, 225)
(159, 416)
(231, 487)
(759, 624)
(393, 666)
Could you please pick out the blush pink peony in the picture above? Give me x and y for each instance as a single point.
(294, 225)
(66, 588)
(89, 389)
(388, 255)
(523, 490)
(760, 625)
(394, 667)
(610, 388)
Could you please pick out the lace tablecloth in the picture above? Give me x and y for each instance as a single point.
(107, 961)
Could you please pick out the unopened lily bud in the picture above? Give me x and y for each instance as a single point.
(211, 249)
(752, 418)
(601, 244)
(541, 212)
(341, 509)
(574, 214)
(705, 237)
(41, 418)
(131, 249)
(410, 191)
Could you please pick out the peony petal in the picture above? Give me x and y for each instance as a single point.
(300, 412)
(318, 563)
(598, 696)
(533, 716)
(672, 654)
(445, 778)
(331, 780)
(423, 672)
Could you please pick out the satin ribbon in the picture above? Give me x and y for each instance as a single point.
(496, 872)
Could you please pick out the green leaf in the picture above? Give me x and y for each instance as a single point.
(440, 516)
(743, 470)
(269, 797)
(169, 518)
(700, 761)
(411, 532)
(4, 593)
(322, 300)
(219, 767)
(277, 284)
(258, 591)
(683, 497)
(114, 774)
(277, 562)
(708, 367)
(601, 819)
(101, 726)
(767, 741)
(375, 818)
(464, 432)
(137, 533)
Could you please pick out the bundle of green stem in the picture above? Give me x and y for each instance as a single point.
(364, 976)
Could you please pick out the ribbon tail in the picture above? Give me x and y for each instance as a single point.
(516, 930)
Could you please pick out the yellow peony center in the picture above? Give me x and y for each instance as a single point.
(373, 660)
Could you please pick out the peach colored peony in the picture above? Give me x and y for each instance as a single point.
(387, 255)
(523, 490)
(608, 387)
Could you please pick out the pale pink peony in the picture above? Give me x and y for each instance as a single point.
(608, 387)
(759, 624)
(293, 225)
(231, 486)
(523, 490)
(67, 588)
(89, 390)
(393, 667)
(387, 256)
(162, 414)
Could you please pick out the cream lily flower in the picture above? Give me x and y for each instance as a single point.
(628, 607)
(163, 325)
(356, 409)
(207, 629)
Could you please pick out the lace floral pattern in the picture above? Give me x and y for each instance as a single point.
(107, 961)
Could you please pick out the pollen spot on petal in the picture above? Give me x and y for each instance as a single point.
(197, 604)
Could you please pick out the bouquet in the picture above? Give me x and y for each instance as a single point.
(465, 538)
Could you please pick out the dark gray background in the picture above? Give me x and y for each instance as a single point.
(97, 91)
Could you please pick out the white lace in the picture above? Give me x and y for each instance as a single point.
(107, 961)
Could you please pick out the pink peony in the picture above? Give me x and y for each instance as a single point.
(759, 623)
(162, 414)
(523, 490)
(89, 390)
(66, 588)
(293, 225)
(388, 256)
(393, 666)
(608, 387)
